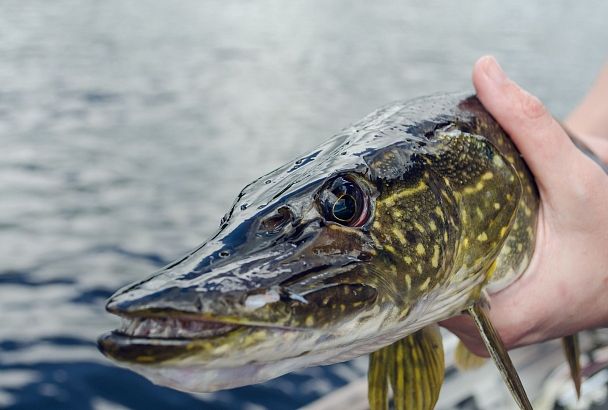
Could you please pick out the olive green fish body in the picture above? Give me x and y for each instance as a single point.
(398, 222)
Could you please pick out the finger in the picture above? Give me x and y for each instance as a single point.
(464, 327)
(542, 142)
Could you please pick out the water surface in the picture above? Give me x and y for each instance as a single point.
(128, 127)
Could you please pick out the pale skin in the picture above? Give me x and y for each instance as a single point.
(565, 288)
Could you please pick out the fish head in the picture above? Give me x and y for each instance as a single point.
(328, 257)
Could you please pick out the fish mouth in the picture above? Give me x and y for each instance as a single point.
(157, 339)
(236, 313)
(234, 328)
(172, 328)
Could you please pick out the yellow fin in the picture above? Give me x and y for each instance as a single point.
(572, 351)
(414, 366)
(465, 360)
(377, 379)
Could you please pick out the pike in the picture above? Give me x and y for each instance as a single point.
(406, 218)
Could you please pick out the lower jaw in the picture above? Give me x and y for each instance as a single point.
(154, 341)
(175, 363)
(244, 356)
(141, 350)
(242, 344)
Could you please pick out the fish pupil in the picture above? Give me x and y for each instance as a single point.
(345, 208)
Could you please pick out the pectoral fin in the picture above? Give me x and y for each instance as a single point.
(415, 368)
(571, 349)
(465, 360)
(499, 354)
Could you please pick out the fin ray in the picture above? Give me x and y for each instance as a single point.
(378, 380)
(418, 370)
(499, 354)
(415, 368)
(572, 351)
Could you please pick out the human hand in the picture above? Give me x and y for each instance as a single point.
(565, 287)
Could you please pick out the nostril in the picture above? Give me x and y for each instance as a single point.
(224, 254)
(277, 221)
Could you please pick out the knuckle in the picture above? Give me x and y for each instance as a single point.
(589, 180)
(531, 106)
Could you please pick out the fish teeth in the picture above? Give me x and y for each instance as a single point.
(171, 328)
(133, 326)
(124, 324)
(142, 327)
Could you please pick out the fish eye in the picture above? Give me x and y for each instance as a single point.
(344, 202)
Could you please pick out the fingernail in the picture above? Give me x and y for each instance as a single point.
(493, 70)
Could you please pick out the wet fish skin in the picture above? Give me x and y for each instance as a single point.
(451, 212)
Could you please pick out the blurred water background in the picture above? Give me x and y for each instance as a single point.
(128, 127)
